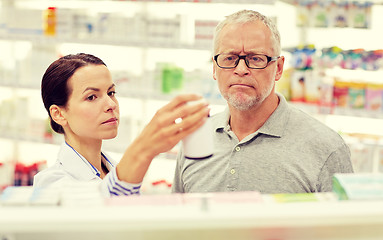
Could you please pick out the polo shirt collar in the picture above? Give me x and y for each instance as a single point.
(75, 164)
(274, 126)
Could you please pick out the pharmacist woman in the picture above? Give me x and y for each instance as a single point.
(79, 96)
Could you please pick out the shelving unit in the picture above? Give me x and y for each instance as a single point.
(353, 220)
(131, 59)
(290, 221)
(140, 94)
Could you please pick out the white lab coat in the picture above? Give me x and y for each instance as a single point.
(71, 166)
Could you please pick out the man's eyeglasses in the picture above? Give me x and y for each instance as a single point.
(253, 61)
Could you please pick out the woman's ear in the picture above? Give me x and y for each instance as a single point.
(57, 115)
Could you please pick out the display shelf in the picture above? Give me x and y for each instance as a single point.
(311, 108)
(377, 2)
(242, 220)
(134, 93)
(281, 11)
(270, 2)
(110, 42)
(317, 109)
(267, 2)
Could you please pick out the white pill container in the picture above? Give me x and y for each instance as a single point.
(199, 144)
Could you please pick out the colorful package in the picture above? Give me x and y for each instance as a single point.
(283, 84)
(312, 86)
(326, 89)
(298, 79)
(374, 96)
(341, 15)
(368, 186)
(340, 94)
(356, 93)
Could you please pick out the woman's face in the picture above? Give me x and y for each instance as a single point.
(92, 111)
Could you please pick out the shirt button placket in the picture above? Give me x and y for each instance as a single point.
(233, 186)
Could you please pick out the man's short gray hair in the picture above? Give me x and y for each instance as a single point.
(245, 16)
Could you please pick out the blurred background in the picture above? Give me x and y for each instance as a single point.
(158, 49)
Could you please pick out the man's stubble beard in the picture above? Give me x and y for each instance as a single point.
(244, 103)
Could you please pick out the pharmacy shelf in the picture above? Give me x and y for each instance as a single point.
(163, 218)
(39, 38)
(142, 94)
(377, 2)
(316, 109)
(307, 107)
(58, 139)
(269, 2)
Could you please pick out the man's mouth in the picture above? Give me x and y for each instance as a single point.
(241, 85)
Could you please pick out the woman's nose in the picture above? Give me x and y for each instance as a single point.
(111, 104)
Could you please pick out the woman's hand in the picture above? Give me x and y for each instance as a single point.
(169, 125)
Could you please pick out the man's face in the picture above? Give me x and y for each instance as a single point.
(243, 87)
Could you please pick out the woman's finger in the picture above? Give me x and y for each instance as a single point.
(180, 109)
(192, 122)
(179, 101)
(189, 124)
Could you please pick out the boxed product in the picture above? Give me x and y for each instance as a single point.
(340, 93)
(374, 96)
(362, 186)
(300, 197)
(312, 86)
(356, 94)
(297, 85)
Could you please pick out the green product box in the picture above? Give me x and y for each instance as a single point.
(361, 186)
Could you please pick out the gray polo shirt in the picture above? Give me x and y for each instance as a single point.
(291, 153)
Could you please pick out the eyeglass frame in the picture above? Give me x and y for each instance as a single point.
(269, 59)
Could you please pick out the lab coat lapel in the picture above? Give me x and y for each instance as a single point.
(75, 164)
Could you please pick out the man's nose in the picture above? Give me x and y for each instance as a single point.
(242, 68)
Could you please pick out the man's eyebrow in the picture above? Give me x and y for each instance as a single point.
(230, 52)
(97, 89)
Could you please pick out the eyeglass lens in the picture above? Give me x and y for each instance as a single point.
(252, 61)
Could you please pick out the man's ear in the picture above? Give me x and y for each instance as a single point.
(57, 115)
(280, 63)
(214, 72)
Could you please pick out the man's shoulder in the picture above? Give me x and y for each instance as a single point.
(314, 129)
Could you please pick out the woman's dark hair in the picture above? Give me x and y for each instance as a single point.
(54, 85)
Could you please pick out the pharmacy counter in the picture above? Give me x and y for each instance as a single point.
(200, 217)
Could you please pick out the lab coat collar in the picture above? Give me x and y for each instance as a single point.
(74, 163)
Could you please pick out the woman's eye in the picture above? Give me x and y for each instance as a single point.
(91, 97)
(112, 93)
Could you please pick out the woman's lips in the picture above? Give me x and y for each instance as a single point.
(110, 121)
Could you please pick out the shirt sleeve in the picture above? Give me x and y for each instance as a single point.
(177, 185)
(112, 186)
(338, 162)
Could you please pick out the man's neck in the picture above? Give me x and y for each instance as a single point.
(244, 123)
